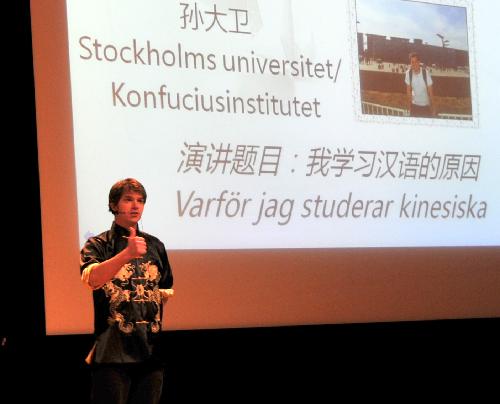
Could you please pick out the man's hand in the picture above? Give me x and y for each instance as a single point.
(136, 245)
(165, 294)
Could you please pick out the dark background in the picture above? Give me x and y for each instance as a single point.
(397, 360)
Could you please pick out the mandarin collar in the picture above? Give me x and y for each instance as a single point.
(119, 231)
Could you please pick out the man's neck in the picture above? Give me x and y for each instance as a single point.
(125, 223)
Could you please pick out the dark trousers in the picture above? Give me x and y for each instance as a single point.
(126, 384)
(419, 111)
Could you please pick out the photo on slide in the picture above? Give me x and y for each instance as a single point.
(414, 61)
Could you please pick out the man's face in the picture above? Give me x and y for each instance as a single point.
(129, 208)
(415, 63)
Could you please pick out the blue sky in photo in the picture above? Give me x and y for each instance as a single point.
(414, 20)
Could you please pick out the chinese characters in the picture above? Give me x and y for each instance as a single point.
(330, 162)
(232, 20)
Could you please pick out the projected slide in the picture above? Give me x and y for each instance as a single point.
(288, 124)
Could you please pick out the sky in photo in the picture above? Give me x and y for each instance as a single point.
(414, 20)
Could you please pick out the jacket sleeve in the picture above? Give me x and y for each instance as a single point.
(167, 278)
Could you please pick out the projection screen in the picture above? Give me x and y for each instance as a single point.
(284, 171)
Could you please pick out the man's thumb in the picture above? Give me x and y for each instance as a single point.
(132, 232)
